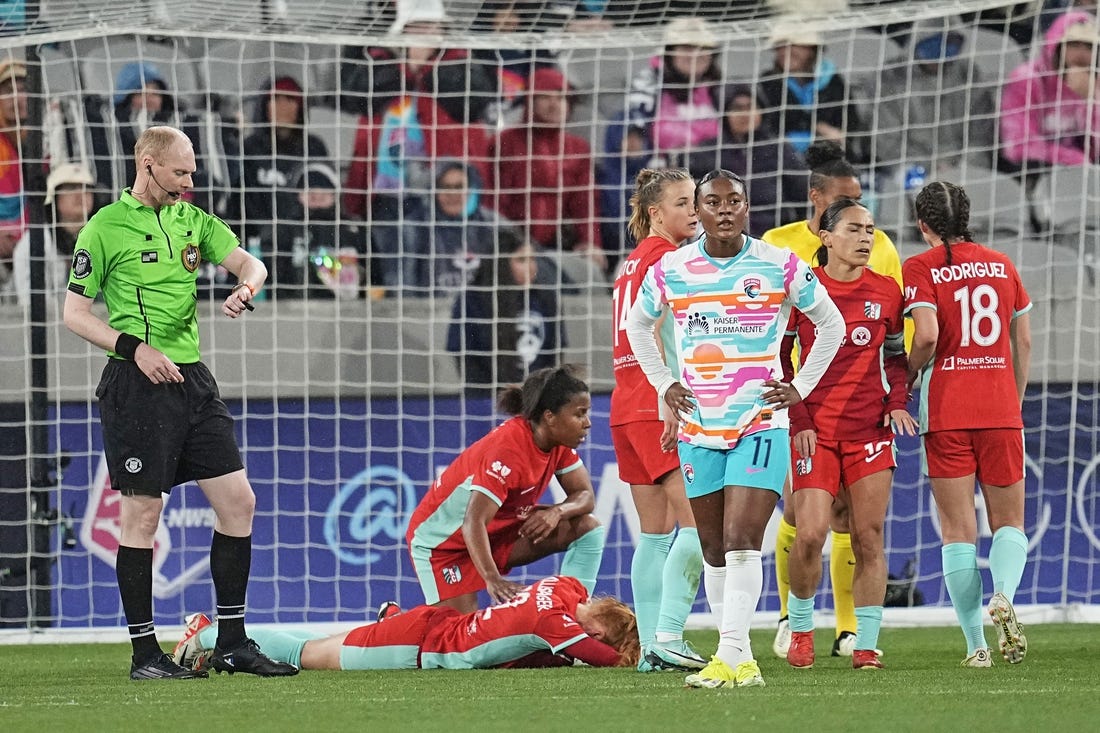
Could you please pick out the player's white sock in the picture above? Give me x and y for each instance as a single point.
(744, 582)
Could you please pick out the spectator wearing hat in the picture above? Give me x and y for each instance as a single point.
(803, 96)
(544, 176)
(143, 99)
(418, 105)
(775, 170)
(319, 255)
(373, 78)
(677, 97)
(69, 203)
(931, 113)
(13, 116)
(275, 154)
(1050, 105)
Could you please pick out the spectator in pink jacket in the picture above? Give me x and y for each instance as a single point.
(544, 175)
(1050, 106)
(677, 98)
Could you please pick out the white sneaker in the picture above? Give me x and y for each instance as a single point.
(979, 659)
(782, 638)
(189, 652)
(1010, 633)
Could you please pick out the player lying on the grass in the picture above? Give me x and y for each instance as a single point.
(546, 624)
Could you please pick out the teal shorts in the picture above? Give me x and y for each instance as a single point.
(759, 460)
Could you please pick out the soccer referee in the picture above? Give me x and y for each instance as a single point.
(164, 423)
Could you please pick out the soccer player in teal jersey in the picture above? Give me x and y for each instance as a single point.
(730, 297)
(164, 423)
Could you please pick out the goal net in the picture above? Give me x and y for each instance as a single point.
(386, 211)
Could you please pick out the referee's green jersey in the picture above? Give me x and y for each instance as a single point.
(146, 262)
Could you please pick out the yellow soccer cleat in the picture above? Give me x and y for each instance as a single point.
(748, 674)
(716, 674)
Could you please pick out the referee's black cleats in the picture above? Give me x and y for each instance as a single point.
(248, 659)
(163, 668)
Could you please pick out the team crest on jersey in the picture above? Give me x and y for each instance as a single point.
(191, 257)
(689, 473)
(452, 575)
(752, 286)
(82, 263)
(861, 336)
(872, 310)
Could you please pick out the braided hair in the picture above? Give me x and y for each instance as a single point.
(649, 189)
(945, 209)
(720, 173)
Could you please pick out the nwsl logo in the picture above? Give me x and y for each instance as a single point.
(752, 286)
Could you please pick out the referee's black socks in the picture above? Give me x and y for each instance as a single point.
(134, 569)
(230, 564)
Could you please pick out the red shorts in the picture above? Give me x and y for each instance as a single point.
(638, 451)
(451, 573)
(996, 455)
(838, 463)
(394, 643)
(407, 628)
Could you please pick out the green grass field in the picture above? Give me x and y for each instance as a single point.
(85, 688)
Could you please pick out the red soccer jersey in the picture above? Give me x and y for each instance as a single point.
(506, 466)
(970, 382)
(866, 379)
(633, 399)
(540, 618)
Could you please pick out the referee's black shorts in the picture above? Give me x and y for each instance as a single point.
(157, 436)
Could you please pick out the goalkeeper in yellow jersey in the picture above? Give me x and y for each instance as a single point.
(832, 177)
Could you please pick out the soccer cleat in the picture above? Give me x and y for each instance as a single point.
(748, 674)
(1009, 631)
(677, 654)
(800, 655)
(716, 674)
(844, 645)
(163, 668)
(247, 658)
(866, 659)
(979, 659)
(388, 609)
(644, 665)
(189, 652)
(782, 638)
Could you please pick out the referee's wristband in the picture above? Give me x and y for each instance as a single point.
(245, 284)
(127, 345)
